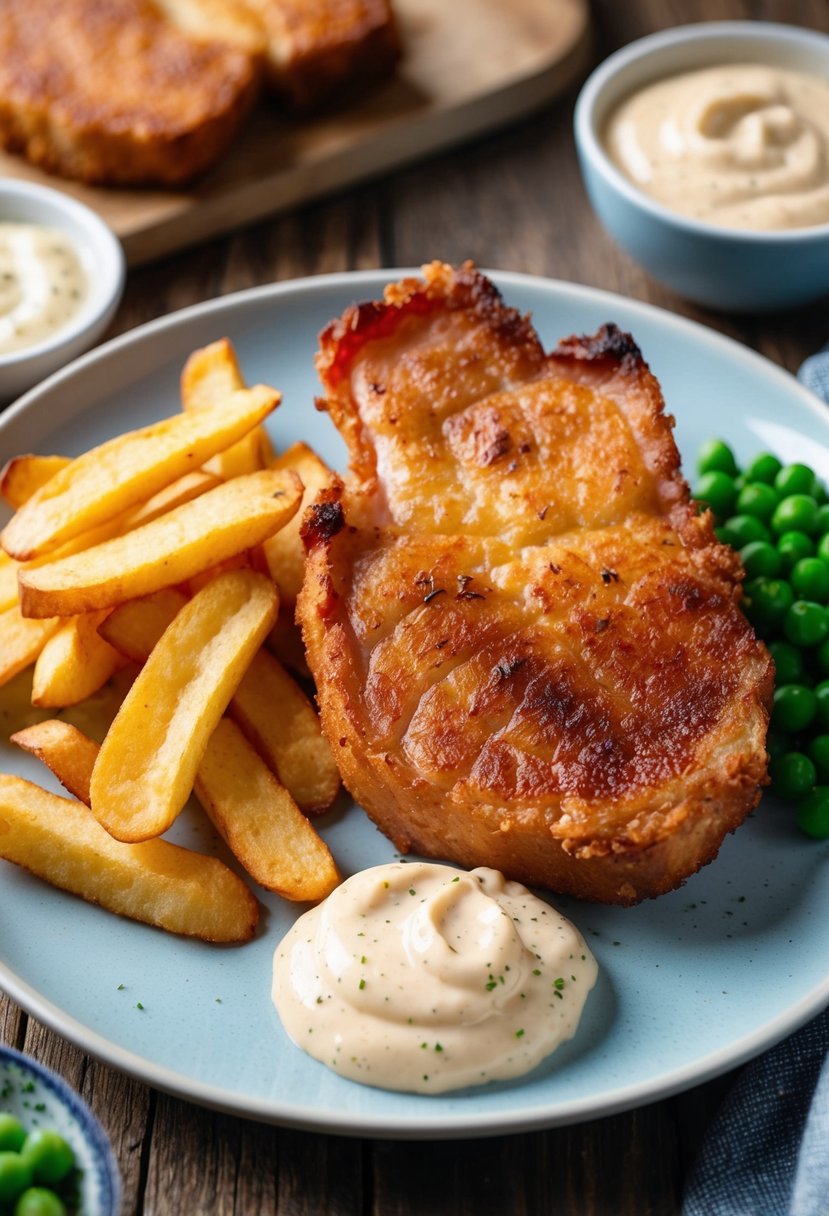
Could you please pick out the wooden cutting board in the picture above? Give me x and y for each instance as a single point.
(468, 66)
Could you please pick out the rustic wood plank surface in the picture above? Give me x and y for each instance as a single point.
(511, 201)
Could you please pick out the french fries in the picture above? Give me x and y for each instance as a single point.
(290, 740)
(66, 751)
(149, 551)
(284, 551)
(210, 376)
(23, 475)
(168, 550)
(156, 882)
(74, 663)
(260, 821)
(147, 764)
(22, 641)
(124, 471)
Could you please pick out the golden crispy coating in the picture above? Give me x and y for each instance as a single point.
(111, 91)
(527, 645)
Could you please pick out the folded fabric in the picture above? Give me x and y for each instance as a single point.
(766, 1152)
(814, 373)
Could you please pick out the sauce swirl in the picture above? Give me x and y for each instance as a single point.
(742, 145)
(421, 977)
(42, 284)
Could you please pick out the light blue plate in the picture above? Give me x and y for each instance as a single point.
(690, 985)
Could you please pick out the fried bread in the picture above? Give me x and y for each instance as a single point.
(527, 643)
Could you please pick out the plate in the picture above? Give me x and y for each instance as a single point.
(690, 985)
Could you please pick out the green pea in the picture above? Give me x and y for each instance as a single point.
(794, 709)
(15, 1176)
(763, 467)
(758, 499)
(48, 1154)
(813, 813)
(822, 699)
(820, 658)
(795, 479)
(823, 548)
(717, 491)
(792, 546)
(767, 602)
(806, 623)
(810, 579)
(792, 775)
(789, 667)
(761, 559)
(797, 513)
(822, 520)
(716, 456)
(818, 749)
(12, 1133)
(742, 529)
(38, 1201)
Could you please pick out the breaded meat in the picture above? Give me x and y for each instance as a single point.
(527, 644)
(113, 91)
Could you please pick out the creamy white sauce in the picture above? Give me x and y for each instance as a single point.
(421, 977)
(743, 145)
(42, 284)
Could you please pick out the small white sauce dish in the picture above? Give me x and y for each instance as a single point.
(39, 1097)
(102, 259)
(723, 268)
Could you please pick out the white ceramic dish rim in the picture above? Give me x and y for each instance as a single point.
(386, 1126)
(649, 48)
(102, 253)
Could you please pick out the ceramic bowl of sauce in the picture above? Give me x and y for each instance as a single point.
(705, 154)
(61, 279)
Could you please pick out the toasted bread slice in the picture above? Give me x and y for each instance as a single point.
(112, 91)
(527, 644)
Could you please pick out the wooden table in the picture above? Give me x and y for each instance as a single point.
(513, 201)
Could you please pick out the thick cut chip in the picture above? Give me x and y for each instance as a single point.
(166, 551)
(211, 375)
(184, 489)
(135, 627)
(23, 475)
(283, 726)
(285, 642)
(21, 641)
(8, 582)
(74, 663)
(260, 821)
(66, 751)
(158, 883)
(268, 705)
(284, 552)
(148, 761)
(126, 470)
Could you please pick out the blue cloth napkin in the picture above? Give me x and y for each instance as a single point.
(766, 1152)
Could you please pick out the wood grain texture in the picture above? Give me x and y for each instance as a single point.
(512, 201)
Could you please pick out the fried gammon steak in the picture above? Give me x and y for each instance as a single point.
(527, 644)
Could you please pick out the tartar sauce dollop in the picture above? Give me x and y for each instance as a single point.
(42, 284)
(742, 145)
(422, 977)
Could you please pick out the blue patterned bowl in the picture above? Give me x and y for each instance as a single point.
(38, 1097)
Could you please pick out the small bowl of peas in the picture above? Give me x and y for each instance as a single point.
(55, 1158)
(777, 518)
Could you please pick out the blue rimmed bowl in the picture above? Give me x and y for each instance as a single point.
(724, 268)
(39, 1097)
